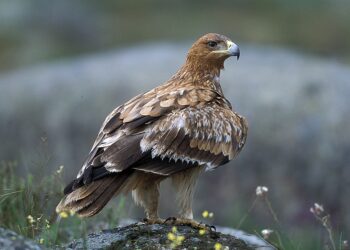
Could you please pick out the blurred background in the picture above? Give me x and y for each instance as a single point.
(64, 65)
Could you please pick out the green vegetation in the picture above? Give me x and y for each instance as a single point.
(27, 206)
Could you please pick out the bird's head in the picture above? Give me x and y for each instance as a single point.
(212, 50)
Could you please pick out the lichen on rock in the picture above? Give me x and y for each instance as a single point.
(144, 236)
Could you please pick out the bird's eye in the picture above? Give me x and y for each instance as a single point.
(212, 44)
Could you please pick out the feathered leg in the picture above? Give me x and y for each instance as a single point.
(146, 194)
(184, 183)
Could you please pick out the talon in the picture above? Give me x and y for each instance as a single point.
(152, 221)
(172, 219)
(211, 228)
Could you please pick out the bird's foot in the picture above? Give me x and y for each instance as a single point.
(189, 222)
(152, 221)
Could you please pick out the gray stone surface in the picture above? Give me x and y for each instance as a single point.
(9, 240)
(141, 236)
(251, 240)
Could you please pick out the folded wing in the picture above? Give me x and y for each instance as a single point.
(164, 134)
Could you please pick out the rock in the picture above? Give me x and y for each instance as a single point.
(142, 236)
(9, 240)
(250, 239)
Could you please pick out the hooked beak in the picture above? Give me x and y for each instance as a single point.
(232, 49)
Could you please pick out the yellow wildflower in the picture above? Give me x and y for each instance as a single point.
(30, 218)
(176, 240)
(47, 224)
(41, 241)
(201, 231)
(205, 214)
(63, 214)
(180, 239)
(217, 246)
(171, 236)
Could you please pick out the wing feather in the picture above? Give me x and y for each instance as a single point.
(174, 130)
(211, 135)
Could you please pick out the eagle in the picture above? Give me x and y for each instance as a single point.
(176, 130)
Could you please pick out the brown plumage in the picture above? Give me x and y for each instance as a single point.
(174, 130)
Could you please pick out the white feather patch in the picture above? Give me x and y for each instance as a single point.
(107, 141)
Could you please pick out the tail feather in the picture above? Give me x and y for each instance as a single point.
(96, 206)
(95, 193)
(88, 200)
(87, 190)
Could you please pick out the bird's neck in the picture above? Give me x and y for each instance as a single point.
(200, 75)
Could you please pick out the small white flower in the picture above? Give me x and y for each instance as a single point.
(261, 190)
(60, 169)
(266, 233)
(312, 210)
(317, 209)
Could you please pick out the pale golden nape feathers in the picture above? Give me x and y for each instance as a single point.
(174, 130)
